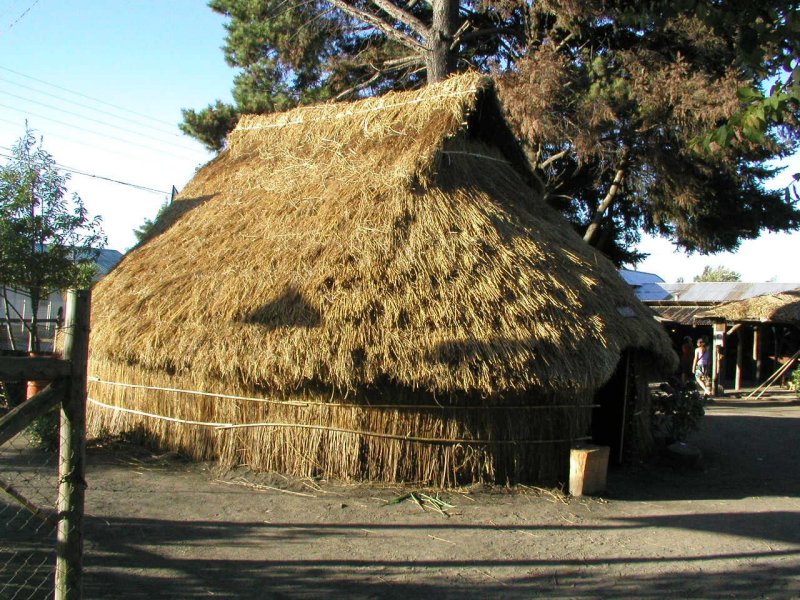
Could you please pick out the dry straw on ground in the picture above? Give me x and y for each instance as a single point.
(392, 251)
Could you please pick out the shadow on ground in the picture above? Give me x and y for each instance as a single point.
(152, 571)
(743, 456)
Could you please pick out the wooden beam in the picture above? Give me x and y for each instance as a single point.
(14, 368)
(733, 329)
(22, 416)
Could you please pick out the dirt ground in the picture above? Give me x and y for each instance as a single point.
(160, 527)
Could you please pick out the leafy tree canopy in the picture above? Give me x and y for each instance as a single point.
(719, 273)
(652, 117)
(48, 242)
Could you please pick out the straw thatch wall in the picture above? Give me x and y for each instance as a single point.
(783, 308)
(389, 251)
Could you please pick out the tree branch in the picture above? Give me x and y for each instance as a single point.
(389, 65)
(404, 17)
(590, 237)
(553, 159)
(379, 23)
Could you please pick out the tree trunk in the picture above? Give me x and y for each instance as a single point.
(33, 344)
(439, 58)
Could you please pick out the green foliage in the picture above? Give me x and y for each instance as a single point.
(146, 228)
(794, 380)
(718, 273)
(45, 431)
(676, 412)
(211, 124)
(47, 241)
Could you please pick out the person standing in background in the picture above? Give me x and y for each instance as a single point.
(700, 365)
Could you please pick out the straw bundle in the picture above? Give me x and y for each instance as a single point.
(389, 248)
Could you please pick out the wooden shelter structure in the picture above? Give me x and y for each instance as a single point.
(375, 291)
(779, 311)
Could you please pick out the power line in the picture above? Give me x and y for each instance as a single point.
(80, 116)
(93, 108)
(103, 135)
(49, 135)
(103, 102)
(75, 171)
(8, 10)
(117, 181)
(19, 18)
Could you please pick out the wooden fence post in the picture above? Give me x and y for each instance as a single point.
(72, 451)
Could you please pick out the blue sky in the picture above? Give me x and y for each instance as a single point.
(154, 57)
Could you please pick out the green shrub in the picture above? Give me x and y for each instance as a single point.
(676, 411)
(44, 431)
(794, 380)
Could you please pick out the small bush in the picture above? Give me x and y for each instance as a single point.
(45, 430)
(676, 411)
(794, 381)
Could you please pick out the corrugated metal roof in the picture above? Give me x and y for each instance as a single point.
(651, 291)
(637, 278)
(714, 292)
(724, 291)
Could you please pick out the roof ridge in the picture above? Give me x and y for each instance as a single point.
(466, 84)
(299, 120)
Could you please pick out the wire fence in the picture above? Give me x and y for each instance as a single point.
(28, 504)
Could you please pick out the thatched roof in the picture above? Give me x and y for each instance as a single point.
(781, 308)
(390, 239)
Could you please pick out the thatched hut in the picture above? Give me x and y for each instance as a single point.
(372, 290)
(782, 308)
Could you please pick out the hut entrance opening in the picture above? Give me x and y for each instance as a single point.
(614, 418)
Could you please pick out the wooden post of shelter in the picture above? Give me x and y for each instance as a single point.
(717, 349)
(739, 360)
(777, 361)
(757, 353)
(72, 450)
